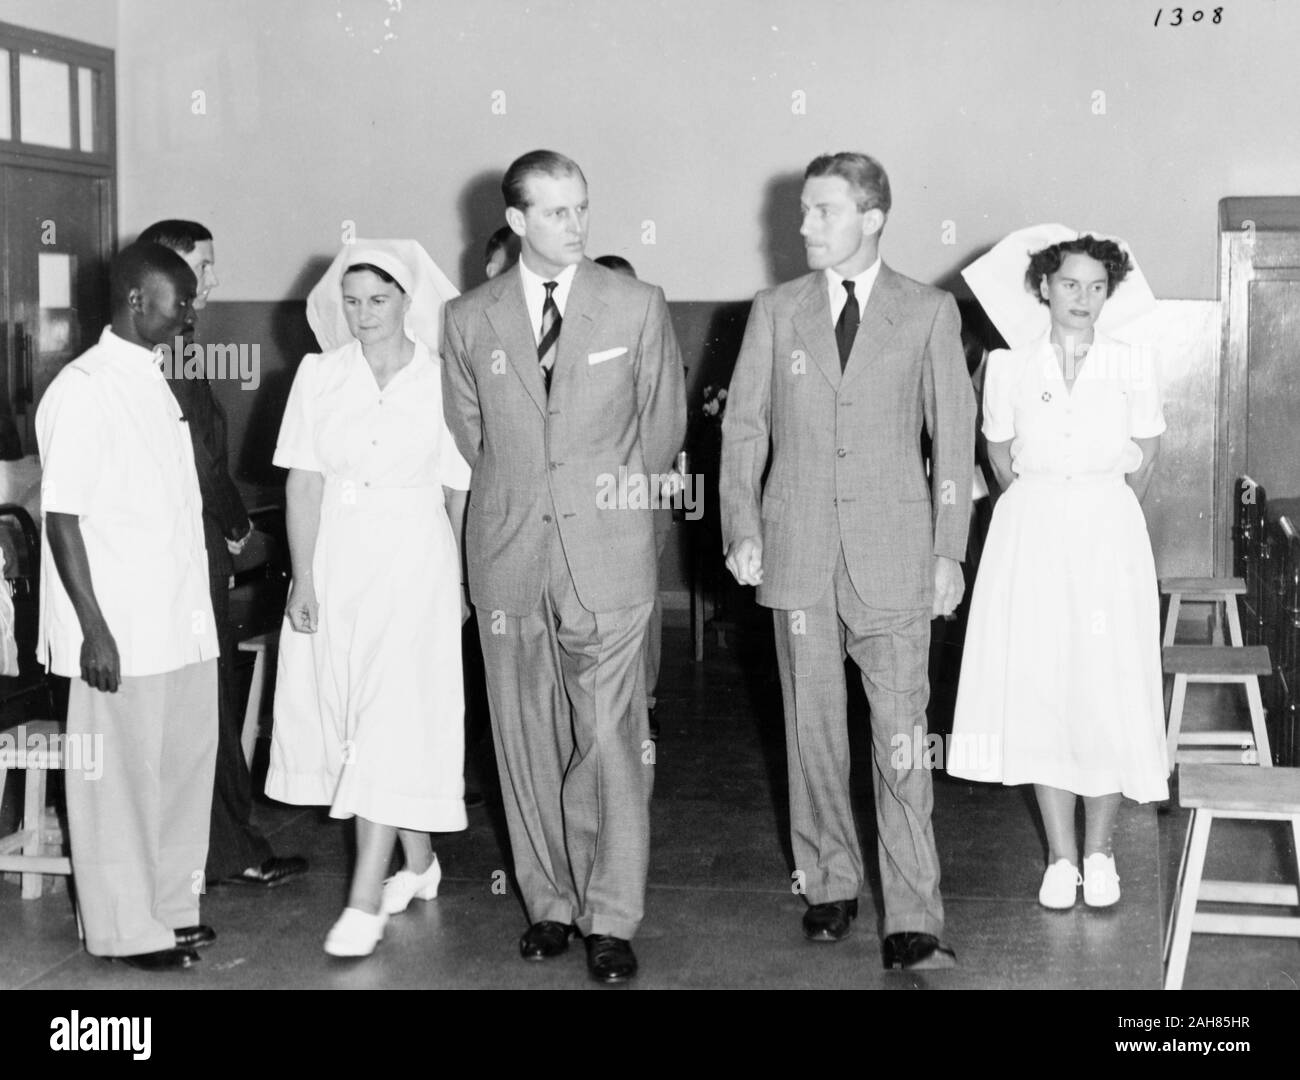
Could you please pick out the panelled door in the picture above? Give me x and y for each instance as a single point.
(57, 221)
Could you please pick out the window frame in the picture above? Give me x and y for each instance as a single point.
(76, 54)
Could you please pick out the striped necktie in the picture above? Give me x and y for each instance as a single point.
(549, 344)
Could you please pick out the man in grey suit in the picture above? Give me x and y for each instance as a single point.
(564, 390)
(849, 543)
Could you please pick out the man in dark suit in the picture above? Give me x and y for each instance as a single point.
(238, 853)
(563, 388)
(848, 542)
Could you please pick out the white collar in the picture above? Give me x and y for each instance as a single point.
(862, 283)
(564, 278)
(129, 356)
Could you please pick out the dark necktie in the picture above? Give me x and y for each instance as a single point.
(549, 344)
(846, 329)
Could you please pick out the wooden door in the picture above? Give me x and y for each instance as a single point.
(1259, 414)
(56, 290)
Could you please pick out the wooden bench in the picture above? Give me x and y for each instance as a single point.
(1217, 664)
(1218, 591)
(36, 847)
(1229, 791)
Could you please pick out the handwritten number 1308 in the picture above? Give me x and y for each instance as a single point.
(1216, 16)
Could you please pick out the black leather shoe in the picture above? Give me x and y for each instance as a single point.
(545, 939)
(917, 952)
(830, 922)
(194, 937)
(275, 871)
(162, 960)
(610, 959)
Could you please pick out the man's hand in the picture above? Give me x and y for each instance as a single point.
(671, 485)
(302, 609)
(236, 546)
(100, 666)
(949, 586)
(745, 561)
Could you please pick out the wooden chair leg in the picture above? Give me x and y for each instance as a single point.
(1178, 892)
(1295, 847)
(34, 826)
(1176, 702)
(253, 710)
(1171, 619)
(1234, 622)
(1184, 913)
(1257, 724)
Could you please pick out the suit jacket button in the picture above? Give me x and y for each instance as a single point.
(546, 518)
(841, 452)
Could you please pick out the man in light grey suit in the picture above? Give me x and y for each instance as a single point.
(564, 390)
(848, 543)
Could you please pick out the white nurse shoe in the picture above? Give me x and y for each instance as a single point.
(1100, 881)
(404, 886)
(356, 933)
(1060, 885)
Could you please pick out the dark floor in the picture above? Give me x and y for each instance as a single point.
(720, 911)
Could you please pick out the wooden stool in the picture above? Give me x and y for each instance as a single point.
(1214, 590)
(1217, 664)
(28, 851)
(259, 645)
(1229, 791)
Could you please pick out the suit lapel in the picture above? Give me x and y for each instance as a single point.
(878, 323)
(812, 322)
(508, 316)
(581, 312)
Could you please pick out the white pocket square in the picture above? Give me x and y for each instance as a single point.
(606, 354)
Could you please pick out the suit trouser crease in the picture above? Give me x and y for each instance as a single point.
(654, 635)
(891, 649)
(567, 693)
(234, 843)
(139, 830)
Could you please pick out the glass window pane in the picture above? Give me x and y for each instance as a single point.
(86, 105)
(58, 318)
(54, 280)
(44, 102)
(6, 125)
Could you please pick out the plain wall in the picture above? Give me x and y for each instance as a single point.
(276, 123)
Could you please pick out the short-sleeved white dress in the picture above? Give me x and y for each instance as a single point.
(1060, 679)
(369, 710)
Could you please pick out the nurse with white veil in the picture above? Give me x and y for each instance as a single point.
(369, 701)
(1061, 679)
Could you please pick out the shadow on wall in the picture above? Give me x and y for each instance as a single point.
(481, 214)
(290, 340)
(781, 221)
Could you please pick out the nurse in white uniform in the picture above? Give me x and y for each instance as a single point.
(1061, 679)
(369, 697)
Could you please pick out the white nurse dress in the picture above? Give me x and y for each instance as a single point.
(369, 710)
(1061, 680)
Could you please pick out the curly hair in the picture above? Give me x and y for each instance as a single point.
(1043, 264)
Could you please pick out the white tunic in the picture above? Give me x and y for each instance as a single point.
(369, 710)
(116, 452)
(1060, 680)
